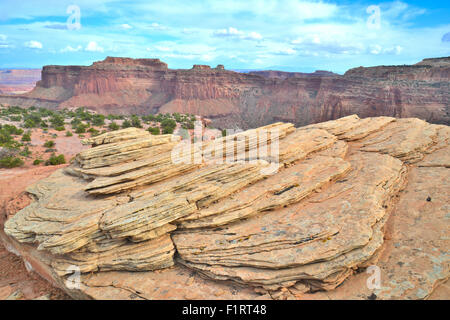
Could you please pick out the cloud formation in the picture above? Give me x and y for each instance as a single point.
(33, 44)
(93, 47)
(294, 34)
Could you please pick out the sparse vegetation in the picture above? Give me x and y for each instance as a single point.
(10, 162)
(49, 144)
(55, 160)
(113, 126)
(26, 136)
(154, 130)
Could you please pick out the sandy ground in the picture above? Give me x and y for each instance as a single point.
(15, 281)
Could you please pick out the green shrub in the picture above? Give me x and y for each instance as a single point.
(126, 124)
(113, 126)
(11, 162)
(94, 132)
(60, 128)
(49, 144)
(26, 136)
(37, 162)
(13, 130)
(136, 122)
(55, 160)
(81, 128)
(98, 120)
(149, 118)
(154, 130)
(15, 118)
(168, 126)
(57, 121)
(25, 152)
(69, 134)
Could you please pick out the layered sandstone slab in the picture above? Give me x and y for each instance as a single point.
(136, 212)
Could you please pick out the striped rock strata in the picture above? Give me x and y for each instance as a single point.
(136, 212)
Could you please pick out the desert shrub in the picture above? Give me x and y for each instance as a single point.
(55, 160)
(10, 162)
(69, 134)
(75, 122)
(149, 118)
(49, 144)
(15, 118)
(81, 128)
(168, 125)
(126, 124)
(154, 130)
(25, 152)
(60, 128)
(37, 162)
(57, 121)
(98, 120)
(12, 130)
(188, 125)
(26, 136)
(93, 131)
(136, 122)
(113, 126)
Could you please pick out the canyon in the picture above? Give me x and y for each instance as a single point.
(18, 81)
(245, 100)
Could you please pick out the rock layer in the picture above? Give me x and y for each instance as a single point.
(318, 216)
(246, 100)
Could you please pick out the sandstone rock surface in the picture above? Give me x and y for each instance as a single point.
(339, 196)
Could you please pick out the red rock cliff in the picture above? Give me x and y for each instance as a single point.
(124, 85)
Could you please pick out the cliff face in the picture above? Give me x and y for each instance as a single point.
(124, 85)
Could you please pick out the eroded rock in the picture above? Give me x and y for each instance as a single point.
(137, 225)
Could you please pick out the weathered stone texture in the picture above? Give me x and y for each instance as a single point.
(344, 194)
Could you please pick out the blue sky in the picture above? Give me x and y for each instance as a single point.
(289, 35)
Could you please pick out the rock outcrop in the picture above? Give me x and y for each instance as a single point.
(246, 100)
(153, 217)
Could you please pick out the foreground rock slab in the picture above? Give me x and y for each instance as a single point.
(303, 222)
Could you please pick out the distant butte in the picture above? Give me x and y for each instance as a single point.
(246, 100)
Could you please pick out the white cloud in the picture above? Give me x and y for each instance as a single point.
(3, 37)
(71, 49)
(316, 40)
(395, 50)
(93, 47)
(157, 26)
(33, 44)
(231, 32)
(162, 48)
(126, 26)
(254, 36)
(285, 51)
(375, 49)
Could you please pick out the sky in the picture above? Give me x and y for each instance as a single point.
(289, 35)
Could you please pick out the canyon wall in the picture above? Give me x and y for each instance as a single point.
(231, 99)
